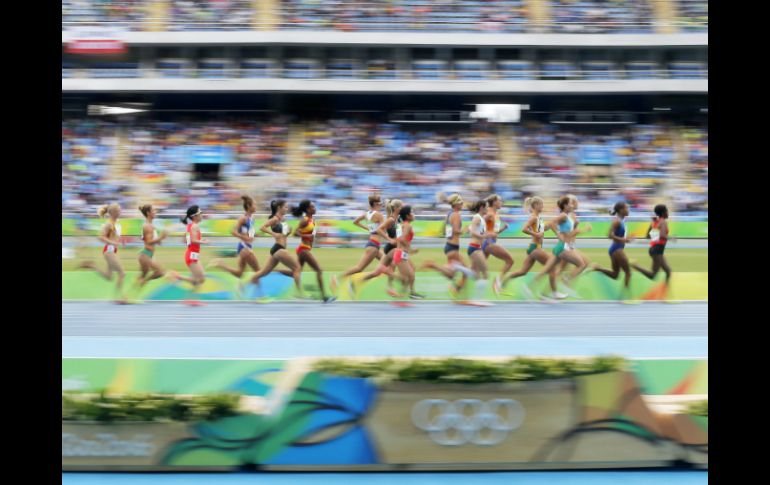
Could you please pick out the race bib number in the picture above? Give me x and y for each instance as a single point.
(399, 231)
(251, 232)
(655, 235)
(404, 256)
(118, 229)
(497, 225)
(448, 231)
(187, 238)
(285, 229)
(315, 229)
(372, 227)
(194, 256)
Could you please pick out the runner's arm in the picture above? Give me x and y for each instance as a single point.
(358, 220)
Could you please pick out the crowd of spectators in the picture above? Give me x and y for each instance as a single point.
(566, 16)
(87, 151)
(436, 15)
(601, 16)
(128, 14)
(339, 162)
(211, 15)
(350, 159)
(629, 164)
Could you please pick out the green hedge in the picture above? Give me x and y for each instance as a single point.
(147, 407)
(700, 408)
(469, 371)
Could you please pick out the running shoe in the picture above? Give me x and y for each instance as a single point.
(394, 293)
(416, 296)
(558, 296)
(569, 290)
(329, 299)
(264, 299)
(193, 302)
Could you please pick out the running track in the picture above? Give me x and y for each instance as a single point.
(285, 330)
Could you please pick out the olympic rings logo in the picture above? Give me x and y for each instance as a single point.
(468, 420)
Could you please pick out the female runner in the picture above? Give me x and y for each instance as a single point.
(387, 231)
(110, 236)
(306, 231)
(490, 246)
(404, 236)
(373, 219)
(475, 251)
(278, 254)
(151, 239)
(244, 231)
(192, 256)
(658, 234)
(617, 255)
(452, 230)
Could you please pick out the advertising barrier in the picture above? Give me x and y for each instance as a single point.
(347, 423)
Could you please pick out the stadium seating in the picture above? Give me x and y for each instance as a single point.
(340, 161)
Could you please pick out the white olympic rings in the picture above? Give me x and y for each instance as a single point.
(468, 418)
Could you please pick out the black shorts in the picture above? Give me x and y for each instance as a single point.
(449, 247)
(388, 248)
(276, 247)
(657, 249)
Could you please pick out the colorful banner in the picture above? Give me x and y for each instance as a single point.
(600, 420)
(81, 285)
(346, 228)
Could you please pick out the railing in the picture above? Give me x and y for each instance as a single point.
(413, 75)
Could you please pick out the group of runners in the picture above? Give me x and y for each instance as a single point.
(390, 236)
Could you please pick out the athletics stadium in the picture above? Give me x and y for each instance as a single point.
(288, 228)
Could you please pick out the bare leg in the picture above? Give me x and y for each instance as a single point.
(369, 255)
(500, 253)
(309, 258)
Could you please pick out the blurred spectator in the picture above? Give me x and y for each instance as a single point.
(128, 14)
(438, 15)
(211, 14)
(601, 16)
(600, 167)
(693, 15)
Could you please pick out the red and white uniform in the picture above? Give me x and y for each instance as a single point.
(193, 250)
(401, 255)
(111, 248)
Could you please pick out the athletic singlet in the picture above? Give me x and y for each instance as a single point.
(494, 224)
(448, 231)
(655, 239)
(482, 226)
(392, 232)
(307, 233)
(281, 227)
(567, 226)
(246, 228)
(195, 248)
(619, 231)
(537, 226)
(111, 248)
(372, 225)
